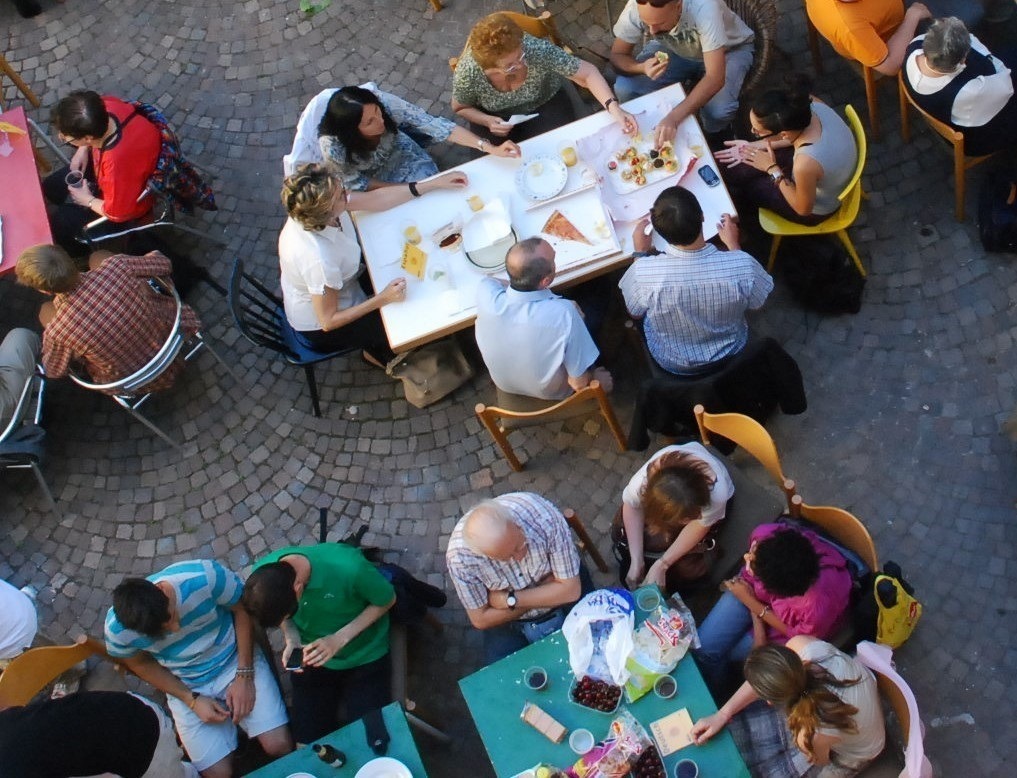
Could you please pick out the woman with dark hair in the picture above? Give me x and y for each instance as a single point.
(793, 583)
(365, 135)
(830, 699)
(668, 509)
(803, 156)
(954, 78)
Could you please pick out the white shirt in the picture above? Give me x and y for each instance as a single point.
(705, 25)
(309, 261)
(721, 491)
(532, 342)
(18, 622)
(979, 100)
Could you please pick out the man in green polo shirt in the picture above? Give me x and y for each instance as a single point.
(333, 602)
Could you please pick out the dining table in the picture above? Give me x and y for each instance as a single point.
(496, 694)
(23, 218)
(592, 197)
(352, 741)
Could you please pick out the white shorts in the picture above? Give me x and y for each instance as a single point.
(207, 744)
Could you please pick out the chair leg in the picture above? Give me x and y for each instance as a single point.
(774, 245)
(959, 176)
(45, 487)
(905, 118)
(57, 151)
(585, 541)
(499, 437)
(612, 421)
(150, 425)
(869, 75)
(312, 386)
(436, 5)
(13, 75)
(219, 359)
(428, 729)
(199, 233)
(846, 240)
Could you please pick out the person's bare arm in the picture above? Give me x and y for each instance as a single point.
(240, 694)
(635, 523)
(896, 46)
(390, 196)
(623, 61)
(331, 317)
(320, 651)
(590, 78)
(708, 726)
(147, 669)
(712, 82)
(549, 594)
(690, 536)
(463, 137)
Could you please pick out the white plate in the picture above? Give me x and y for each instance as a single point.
(541, 178)
(384, 767)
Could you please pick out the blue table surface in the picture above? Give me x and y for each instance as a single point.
(351, 740)
(495, 696)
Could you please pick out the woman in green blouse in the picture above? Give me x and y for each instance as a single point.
(504, 71)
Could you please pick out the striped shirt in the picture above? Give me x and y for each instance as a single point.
(549, 551)
(206, 643)
(694, 303)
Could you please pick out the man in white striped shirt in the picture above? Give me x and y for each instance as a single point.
(692, 298)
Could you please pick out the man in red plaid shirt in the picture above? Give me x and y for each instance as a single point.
(109, 320)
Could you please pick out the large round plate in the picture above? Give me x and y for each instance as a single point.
(541, 178)
(384, 767)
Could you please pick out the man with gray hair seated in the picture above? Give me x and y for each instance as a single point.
(952, 76)
(516, 570)
(534, 342)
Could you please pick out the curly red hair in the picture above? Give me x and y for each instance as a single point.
(492, 38)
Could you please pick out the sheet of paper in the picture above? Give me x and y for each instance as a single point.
(1, 239)
(671, 733)
(519, 118)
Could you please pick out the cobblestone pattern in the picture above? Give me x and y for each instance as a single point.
(905, 398)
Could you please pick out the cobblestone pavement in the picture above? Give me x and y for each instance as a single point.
(905, 399)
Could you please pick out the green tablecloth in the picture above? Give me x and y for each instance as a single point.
(495, 696)
(352, 741)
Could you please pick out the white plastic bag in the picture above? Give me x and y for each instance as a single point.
(598, 630)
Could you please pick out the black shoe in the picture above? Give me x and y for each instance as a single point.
(28, 8)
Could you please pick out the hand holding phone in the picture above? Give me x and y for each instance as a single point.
(295, 661)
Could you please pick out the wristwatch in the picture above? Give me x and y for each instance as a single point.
(511, 600)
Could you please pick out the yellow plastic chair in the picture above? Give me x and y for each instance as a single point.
(850, 200)
(962, 163)
(842, 526)
(28, 674)
(523, 411)
(750, 435)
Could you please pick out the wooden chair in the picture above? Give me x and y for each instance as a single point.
(520, 411)
(397, 641)
(19, 84)
(436, 5)
(584, 542)
(961, 162)
(761, 17)
(750, 435)
(838, 222)
(28, 674)
(842, 526)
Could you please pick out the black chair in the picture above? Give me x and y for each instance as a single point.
(261, 319)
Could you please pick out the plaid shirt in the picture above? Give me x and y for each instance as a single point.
(694, 303)
(549, 551)
(113, 323)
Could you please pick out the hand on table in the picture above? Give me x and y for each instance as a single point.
(499, 127)
(734, 154)
(657, 575)
(665, 131)
(209, 710)
(707, 727)
(506, 149)
(240, 697)
(320, 651)
(394, 291)
(641, 241)
(453, 179)
(627, 121)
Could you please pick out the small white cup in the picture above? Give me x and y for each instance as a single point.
(581, 740)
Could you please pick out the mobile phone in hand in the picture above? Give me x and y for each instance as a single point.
(708, 175)
(296, 660)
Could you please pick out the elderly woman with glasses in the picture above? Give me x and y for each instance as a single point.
(373, 139)
(504, 71)
(802, 157)
(954, 78)
(319, 261)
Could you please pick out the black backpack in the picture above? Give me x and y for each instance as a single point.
(997, 210)
(820, 274)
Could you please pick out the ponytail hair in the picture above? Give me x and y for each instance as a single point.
(677, 489)
(789, 108)
(802, 689)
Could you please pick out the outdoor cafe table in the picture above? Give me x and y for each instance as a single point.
(431, 310)
(495, 696)
(22, 209)
(352, 741)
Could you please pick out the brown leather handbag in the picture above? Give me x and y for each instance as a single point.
(696, 564)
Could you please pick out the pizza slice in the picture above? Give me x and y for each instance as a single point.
(558, 226)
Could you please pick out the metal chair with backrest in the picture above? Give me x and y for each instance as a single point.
(18, 454)
(260, 317)
(128, 392)
(841, 525)
(838, 222)
(30, 672)
(515, 411)
(962, 163)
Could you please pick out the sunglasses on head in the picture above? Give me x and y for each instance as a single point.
(656, 3)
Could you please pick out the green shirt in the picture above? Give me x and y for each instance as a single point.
(341, 585)
(548, 67)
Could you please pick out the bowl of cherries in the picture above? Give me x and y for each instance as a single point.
(649, 764)
(595, 694)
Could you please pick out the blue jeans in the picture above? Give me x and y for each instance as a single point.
(726, 636)
(722, 107)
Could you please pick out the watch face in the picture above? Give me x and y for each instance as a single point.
(511, 600)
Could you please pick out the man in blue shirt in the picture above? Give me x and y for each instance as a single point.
(184, 631)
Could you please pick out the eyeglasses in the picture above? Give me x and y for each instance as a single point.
(760, 136)
(656, 3)
(519, 64)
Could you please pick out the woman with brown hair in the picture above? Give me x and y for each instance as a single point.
(830, 700)
(668, 509)
(504, 71)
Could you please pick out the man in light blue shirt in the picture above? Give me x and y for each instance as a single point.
(692, 298)
(184, 631)
(534, 342)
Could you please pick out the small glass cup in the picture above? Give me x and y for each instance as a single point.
(476, 202)
(411, 232)
(686, 768)
(647, 598)
(567, 151)
(75, 179)
(665, 687)
(535, 678)
(581, 740)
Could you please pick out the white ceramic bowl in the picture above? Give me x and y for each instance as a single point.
(384, 767)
